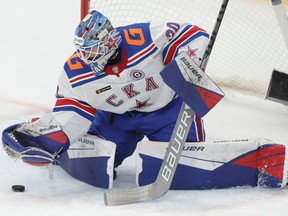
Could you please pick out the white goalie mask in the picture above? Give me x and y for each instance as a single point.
(96, 40)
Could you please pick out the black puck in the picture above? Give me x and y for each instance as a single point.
(18, 188)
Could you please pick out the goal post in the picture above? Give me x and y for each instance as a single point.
(84, 8)
(281, 16)
(249, 47)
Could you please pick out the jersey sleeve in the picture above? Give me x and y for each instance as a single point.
(71, 110)
(184, 37)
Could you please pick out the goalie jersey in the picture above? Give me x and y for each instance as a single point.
(134, 83)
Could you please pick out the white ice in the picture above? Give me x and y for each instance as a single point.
(35, 40)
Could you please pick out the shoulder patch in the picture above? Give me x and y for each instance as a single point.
(79, 72)
(185, 36)
(137, 42)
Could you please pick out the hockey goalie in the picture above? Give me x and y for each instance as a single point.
(126, 83)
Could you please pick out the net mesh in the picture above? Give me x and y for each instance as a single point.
(247, 49)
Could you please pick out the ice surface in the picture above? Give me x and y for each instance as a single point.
(35, 40)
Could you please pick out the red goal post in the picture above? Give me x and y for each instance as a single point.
(84, 7)
(249, 46)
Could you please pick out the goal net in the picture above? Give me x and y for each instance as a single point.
(249, 45)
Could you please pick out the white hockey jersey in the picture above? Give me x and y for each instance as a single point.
(132, 84)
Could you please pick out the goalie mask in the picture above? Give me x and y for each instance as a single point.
(96, 41)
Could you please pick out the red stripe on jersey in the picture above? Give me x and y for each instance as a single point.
(174, 46)
(82, 77)
(141, 53)
(70, 102)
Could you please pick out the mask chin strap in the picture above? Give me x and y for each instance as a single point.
(98, 67)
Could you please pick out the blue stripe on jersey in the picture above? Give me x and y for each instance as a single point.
(132, 34)
(80, 107)
(74, 66)
(142, 57)
(78, 72)
(76, 110)
(87, 80)
(198, 33)
(180, 34)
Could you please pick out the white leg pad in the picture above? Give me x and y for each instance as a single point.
(91, 160)
(220, 164)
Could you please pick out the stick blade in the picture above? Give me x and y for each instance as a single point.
(127, 196)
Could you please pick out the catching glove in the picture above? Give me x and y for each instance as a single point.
(36, 143)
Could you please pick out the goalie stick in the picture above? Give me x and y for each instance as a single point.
(282, 18)
(173, 153)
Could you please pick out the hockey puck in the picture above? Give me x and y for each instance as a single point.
(18, 188)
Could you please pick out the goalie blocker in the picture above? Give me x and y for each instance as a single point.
(223, 164)
(188, 80)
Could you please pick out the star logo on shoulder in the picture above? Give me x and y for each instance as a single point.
(113, 41)
(192, 52)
